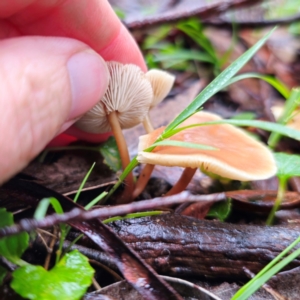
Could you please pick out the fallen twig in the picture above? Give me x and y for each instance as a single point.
(105, 212)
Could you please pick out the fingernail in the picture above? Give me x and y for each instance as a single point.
(89, 77)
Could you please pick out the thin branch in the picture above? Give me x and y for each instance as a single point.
(77, 214)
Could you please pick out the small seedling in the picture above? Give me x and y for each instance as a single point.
(34, 282)
(68, 279)
(288, 166)
(12, 247)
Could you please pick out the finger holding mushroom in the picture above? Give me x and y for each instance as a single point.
(238, 157)
(124, 105)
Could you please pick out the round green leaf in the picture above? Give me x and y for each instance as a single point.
(288, 165)
(68, 280)
(12, 247)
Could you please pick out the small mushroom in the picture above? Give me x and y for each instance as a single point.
(238, 157)
(161, 83)
(293, 120)
(124, 105)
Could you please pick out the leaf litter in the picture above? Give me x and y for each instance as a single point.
(62, 172)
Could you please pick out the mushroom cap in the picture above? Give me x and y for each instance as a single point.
(238, 157)
(129, 93)
(161, 82)
(294, 121)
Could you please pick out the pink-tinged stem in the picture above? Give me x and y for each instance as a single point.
(123, 150)
(183, 181)
(143, 180)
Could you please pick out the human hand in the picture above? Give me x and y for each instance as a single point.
(49, 73)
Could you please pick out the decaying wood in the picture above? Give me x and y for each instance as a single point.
(182, 246)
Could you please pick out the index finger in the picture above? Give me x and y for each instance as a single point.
(92, 22)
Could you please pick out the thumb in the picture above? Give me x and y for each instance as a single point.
(46, 83)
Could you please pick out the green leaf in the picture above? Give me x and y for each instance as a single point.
(2, 274)
(217, 84)
(68, 280)
(12, 247)
(220, 210)
(183, 144)
(110, 152)
(43, 205)
(120, 13)
(288, 165)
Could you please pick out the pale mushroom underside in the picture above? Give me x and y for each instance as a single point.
(161, 82)
(129, 94)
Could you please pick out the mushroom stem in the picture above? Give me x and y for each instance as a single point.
(148, 169)
(148, 124)
(183, 181)
(143, 180)
(123, 150)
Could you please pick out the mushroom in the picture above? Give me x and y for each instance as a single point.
(238, 157)
(293, 121)
(124, 105)
(161, 83)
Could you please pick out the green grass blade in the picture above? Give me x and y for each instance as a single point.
(83, 182)
(217, 84)
(127, 170)
(182, 55)
(194, 29)
(282, 185)
(43, 205)
(183, 144)
(95, 201)
(268, 126)
(134, 215)
(276, 83)
(267, 272)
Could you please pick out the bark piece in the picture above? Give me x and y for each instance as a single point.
(182, 246)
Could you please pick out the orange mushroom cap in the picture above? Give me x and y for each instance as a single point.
(238, 157)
